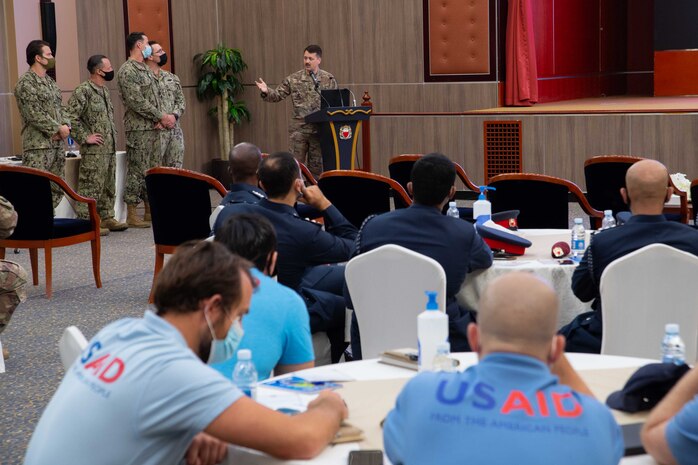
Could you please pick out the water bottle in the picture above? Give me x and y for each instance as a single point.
(453, 210)
(432, 330)
(608, 220)
(442, 359)
(72, 146)
(673, 348)
(245, 374)
(578, 242)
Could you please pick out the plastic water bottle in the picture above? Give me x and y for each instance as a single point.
(442, 359)
(432, 330)
(453, 210)
(245, 374)
(673, 348)
(578, 242)
(608, 220)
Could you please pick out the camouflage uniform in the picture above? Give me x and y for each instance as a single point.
(39, 103)
(12, 276)
(91, 111)
(304, 142)
(141, 96)
(171, 140)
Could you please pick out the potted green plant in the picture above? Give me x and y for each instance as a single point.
(220, 79)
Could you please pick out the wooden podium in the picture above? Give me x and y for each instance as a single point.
(339, 129)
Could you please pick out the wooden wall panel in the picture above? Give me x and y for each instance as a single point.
(388, 39)
(269, 127)
(257, 27)
(328, 24)
(4, 53)
(570, 140)
(200, 134)
(671, 139)
(101, 31)
(394, 98)
(439, 97)
(6, 103)
(392, 136)
(194, 26)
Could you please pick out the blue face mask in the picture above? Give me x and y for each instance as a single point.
(224, 349)
(147, 51)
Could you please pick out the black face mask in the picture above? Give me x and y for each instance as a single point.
(108, 75)
(163, 59)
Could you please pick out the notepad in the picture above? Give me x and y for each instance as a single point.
(297, 384)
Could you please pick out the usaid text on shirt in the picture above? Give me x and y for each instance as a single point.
(513, 410)
(95, 369)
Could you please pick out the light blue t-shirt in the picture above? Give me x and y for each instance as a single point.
(682, 434)
(507, 409)
(277, 329)
(137, 395)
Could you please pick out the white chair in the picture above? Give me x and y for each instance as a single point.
(643, 291)
(71, 345)
(387, 288)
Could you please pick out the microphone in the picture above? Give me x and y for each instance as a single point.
(315, 80)
(317, 89)
(353, 96)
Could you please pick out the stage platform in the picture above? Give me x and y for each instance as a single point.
(602, 105)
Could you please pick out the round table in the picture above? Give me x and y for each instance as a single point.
(538, 260)
(370, 388)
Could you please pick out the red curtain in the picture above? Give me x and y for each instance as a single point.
(521, 87)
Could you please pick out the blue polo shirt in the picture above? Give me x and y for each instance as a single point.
(137, 395)
(277, 329)
(682, 434)
(507, 409)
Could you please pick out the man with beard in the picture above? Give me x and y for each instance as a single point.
(139, 392)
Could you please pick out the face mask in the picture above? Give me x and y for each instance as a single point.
(147, 51)
(224, 349)
(108, 75)
(51, 63)
(163, 59)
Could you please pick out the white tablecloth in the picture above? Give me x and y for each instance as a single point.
(372, 372)
(538, 260)
(65, 208)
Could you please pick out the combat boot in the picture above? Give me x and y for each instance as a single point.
(113, 225)
(103, 231)
(5, 354)
(132, 219)
(146, 214)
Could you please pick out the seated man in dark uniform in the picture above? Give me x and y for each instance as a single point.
(424, 229)
(304, 247)
(243, 163)
(646, 192)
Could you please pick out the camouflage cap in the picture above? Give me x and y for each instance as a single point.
(8, 218)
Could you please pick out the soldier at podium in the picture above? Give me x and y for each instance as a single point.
(304, 87)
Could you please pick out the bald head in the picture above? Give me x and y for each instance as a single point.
(243, 163)
(518, 313)
(647, 187)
